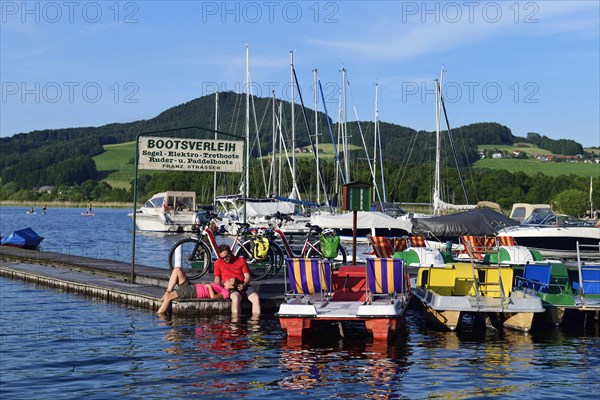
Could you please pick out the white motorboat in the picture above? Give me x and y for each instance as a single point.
(167, 212)
(555, 235)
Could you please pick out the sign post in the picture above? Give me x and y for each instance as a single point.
(157, 152)
(356, 196)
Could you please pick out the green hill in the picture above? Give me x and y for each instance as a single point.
(532, 167)
(92, 162)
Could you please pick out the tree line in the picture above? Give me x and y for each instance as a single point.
(63, 158)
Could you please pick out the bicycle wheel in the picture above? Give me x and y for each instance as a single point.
(315, 251)
(278, 259)
(259, 269)
(192, 255)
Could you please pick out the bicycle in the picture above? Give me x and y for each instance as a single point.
(310, 248)
(260, 266)
(196, 254)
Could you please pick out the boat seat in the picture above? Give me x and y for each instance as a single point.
(438, 279)
(400, 244)
(590, 280)
(385, 247)
(417, 241)
(476, 246)
(506, 241)
(535, 277)
(382, 247)
(384, 277)
(309, 276)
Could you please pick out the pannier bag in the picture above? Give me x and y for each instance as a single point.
(261, 248)
(330, 241)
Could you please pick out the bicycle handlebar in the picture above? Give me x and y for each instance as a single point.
(314, 228)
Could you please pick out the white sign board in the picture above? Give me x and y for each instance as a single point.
(181, 154)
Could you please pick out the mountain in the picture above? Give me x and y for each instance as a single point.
(63, 156)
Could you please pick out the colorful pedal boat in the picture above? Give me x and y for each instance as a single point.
(448, 293)
(376, 293)
(563, 291)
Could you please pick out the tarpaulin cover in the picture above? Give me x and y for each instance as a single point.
(22, 238)
(478, 222)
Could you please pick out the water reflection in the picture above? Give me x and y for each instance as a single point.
(216, 348)
(356, 363)
(473, 362)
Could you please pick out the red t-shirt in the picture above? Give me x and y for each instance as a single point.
(235, 269)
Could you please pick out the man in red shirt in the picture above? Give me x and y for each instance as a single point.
(229, 266)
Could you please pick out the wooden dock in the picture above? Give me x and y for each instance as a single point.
(111, 281)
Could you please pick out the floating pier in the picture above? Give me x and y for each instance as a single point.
(110, 280)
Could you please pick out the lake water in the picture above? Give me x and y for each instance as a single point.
(106, 235)
(62, 346)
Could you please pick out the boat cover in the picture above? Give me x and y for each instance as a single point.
(263, 208)
(296, 201)
(364, 219)
(478, 222)
(26, 238)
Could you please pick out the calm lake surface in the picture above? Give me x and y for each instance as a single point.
(106, 235)
(62, 346)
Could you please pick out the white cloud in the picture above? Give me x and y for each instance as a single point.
(435, 29)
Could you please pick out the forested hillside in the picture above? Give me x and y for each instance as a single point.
(63, 158)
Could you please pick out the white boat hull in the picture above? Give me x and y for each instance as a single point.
(158, 223)
(556, 241)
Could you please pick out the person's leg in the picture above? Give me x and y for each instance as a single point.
(166, 301)
(255, 300)
(177, 278)
(236, 300)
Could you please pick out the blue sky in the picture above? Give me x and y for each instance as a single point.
(532, 66)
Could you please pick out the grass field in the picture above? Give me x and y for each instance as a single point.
(114, 162)
(532, 167)
(526, 148)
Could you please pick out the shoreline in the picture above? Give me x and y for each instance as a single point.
(65, 204)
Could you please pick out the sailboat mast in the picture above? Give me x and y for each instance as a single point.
(274, 147)
(591, 199)
(282, 145)
(247, 122)
(216, 129)
(375, 137)
(436, 184)
(345, 127)
(316, 99)
(378, 143)
(293, 124)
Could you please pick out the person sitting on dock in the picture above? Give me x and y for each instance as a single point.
(187, 290)
(230, 266)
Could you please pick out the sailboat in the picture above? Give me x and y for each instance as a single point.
(258, 211)
(450, 221)
(439, 206)
(374, 223)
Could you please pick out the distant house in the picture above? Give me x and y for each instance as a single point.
(45, 189)
(497, 155)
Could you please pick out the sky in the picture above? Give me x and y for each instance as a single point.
(532, 66)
